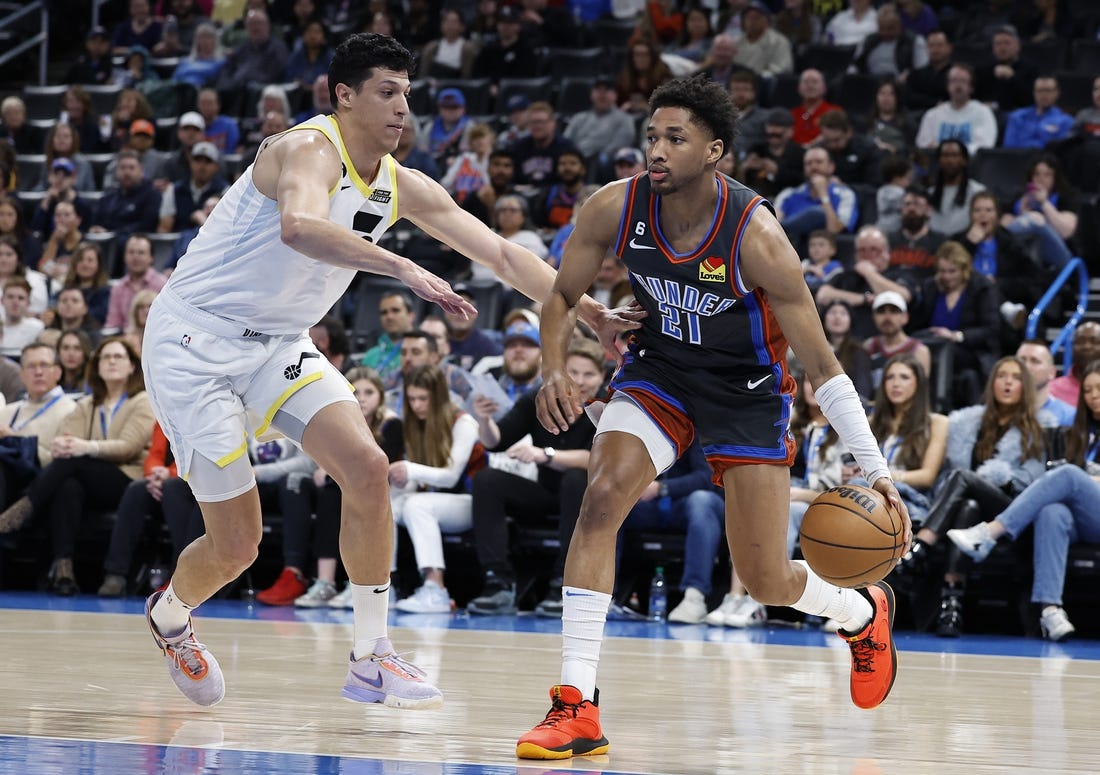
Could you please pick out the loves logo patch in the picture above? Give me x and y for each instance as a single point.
(712, 270)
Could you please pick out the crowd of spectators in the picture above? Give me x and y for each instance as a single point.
(929, 163)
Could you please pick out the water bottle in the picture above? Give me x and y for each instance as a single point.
(658, 596)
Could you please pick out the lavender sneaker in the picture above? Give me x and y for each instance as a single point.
(390, 680)
(194, 670)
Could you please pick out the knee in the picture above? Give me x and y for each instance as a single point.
(1054, 517)
(603, 508)
(361, 471)
(770, 585)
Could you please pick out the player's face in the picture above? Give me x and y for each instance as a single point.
(379, 107)
(367, 396)
(900, 383)
(419, 400)
(585, 375)
(1091, 388)
(1008, 385)
(678, 150)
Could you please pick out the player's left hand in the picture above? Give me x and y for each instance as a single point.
(611, 322)
(886, 487)
(436, 290)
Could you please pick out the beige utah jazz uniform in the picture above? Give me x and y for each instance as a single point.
(227, 345)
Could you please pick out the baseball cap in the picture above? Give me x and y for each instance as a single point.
(521, 314)
(205, 149)
(780, 117)
(518, 102)
(61, 163)
(192, 118)
(521, 329)
(756, 5)
(97, 32)
(451, 96)
(606, 81)
(143, 127)
(508, 13)
(629, 156)
(890, 299)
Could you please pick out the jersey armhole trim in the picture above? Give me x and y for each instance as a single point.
(628, 203)
(746, 216)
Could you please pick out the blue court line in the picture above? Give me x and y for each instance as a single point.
(775, 633)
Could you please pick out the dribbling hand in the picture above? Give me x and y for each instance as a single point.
(886, 487)
(558, 403)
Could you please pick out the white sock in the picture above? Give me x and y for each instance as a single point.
(821, 598)
(583, 615)
(170, 614)
(371, 603)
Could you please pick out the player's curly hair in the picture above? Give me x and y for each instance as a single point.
(708, 101)
(359, 54)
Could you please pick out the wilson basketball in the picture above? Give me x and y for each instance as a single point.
(850, 537)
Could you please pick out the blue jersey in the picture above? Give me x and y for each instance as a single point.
(700, 314)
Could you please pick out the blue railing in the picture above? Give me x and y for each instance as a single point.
(1075, 265)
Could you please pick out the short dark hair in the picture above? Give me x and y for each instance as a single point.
(708, 102)
(359, 54)
(835, 119)
(893, 166)
(502, 153)
(338, 342)
(395, 294)
(418, 333)
(824, 234)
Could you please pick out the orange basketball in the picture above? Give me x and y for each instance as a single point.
(851, 537)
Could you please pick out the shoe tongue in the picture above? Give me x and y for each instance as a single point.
(570, 695)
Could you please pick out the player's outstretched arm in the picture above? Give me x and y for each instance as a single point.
(769, 262)
(558, 403)
(429, 206)
(298, 170)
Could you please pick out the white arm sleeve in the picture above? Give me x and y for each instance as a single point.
(840, 404)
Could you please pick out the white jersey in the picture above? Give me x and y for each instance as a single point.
(238, 267)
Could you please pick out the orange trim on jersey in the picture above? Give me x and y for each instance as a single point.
(679, 429)
(719, 463)
(720, 207)
(750, 208)
(625, 217)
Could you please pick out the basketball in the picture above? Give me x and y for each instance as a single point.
(851, 537)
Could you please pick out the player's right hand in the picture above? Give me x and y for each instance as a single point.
(558, 403)
(436, 290)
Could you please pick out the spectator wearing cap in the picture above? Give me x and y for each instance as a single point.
(140, 138)
(136, 69)
(451, 55)
(510, 54)
(891, 51)
(1006, 83)
(520, 372)
(139, 29)
(468, 342)
(602, 129)
(222, 131)
(776, 163)
(189, 130)
(60, 180)
(447, 132)
(537, 154)
(94, 66)
(811, 88)
(63, 142)
(762, 49)
(628, 163)
(890, 313)
(186, 197)
(517, 107)
(501, 172)
(130, 206)
(206, 60)
(16, 131)
(260, 58)
(751, 117)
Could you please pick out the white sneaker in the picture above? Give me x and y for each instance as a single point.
(692, 609)
(748, 613)
(830, 625)
(342, 599)
(317, 596)
(429, 599)
(1055, 625)
(975, 542)
(717, 617)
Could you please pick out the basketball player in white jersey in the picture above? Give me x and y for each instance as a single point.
(228, 351)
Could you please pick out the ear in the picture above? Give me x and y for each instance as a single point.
(343, 94)
(715, 151)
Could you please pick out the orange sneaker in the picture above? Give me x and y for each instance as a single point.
(874, 657)
(290, 586)
(571, 728)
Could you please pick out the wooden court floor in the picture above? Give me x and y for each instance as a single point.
(669, 705)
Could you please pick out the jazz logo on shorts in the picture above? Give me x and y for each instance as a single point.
(294, 370)
(712, 270)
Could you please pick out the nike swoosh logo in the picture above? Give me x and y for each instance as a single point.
(378, 591)
(570, 593)
(377, 683)
(636, 246)
(344, 188)
(755, 383)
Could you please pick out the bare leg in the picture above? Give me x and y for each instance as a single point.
(233, 531)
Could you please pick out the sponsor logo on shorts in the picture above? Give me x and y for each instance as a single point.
(712, 270)
(294, 370)
(380, 195)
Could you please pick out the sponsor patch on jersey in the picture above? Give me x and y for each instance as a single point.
(712, 270)
(380, 195)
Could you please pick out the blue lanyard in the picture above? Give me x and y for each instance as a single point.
(103, 415)
(810, 450)
(57, 393)
(893, 450)
(1094, 448)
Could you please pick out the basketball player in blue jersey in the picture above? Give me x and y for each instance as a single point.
(724, 293)
(228, 352)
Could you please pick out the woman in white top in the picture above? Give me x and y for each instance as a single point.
(511, 219)
(430, 488)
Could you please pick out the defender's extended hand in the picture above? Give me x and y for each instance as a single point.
(436, 290)
(558, 403)
(613, 321)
